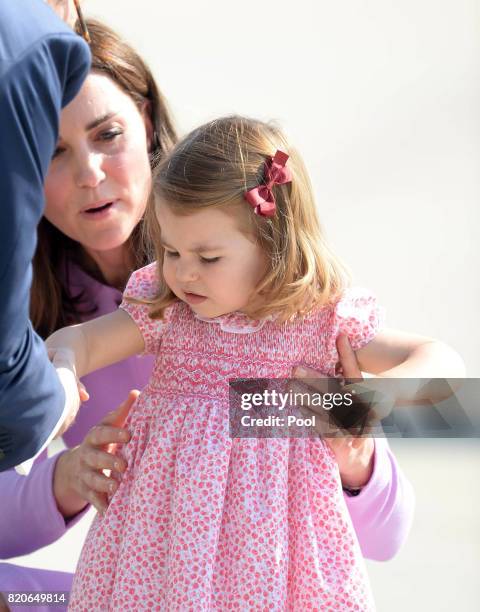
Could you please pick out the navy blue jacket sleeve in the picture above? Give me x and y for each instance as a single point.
(42, 66)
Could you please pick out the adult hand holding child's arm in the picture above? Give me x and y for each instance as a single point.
(354, 455)
(382, 513)
(79, 350)
(79, 476)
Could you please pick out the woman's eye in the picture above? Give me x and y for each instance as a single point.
(58, 151)
(209, 259)
(171, 254)
(110, 134)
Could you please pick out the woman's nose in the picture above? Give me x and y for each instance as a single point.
(89, 170)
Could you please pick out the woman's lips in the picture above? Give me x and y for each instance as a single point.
(96, 212)
(194, 298)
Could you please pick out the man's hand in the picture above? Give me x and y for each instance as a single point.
(79, 476)
(354, 455)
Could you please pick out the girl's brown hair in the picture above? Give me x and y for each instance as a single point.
(213, 166)
(52, 304)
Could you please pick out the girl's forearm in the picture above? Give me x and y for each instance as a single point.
(432, 361)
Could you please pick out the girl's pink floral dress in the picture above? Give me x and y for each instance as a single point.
(202, 521)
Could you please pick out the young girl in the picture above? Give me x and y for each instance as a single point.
(244, 287)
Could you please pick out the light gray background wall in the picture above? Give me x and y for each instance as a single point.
(382, 99)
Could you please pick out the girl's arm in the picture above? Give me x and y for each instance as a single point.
(96, 344)
(400, 355)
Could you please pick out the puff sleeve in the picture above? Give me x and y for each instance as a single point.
(356, 314)
(143, 285)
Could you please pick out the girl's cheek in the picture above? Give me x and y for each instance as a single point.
(167, 272)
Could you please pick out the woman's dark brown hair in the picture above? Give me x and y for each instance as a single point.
(52, 304)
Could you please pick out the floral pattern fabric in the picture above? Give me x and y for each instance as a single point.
(205, 522)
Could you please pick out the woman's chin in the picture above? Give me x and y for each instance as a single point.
(106, 241)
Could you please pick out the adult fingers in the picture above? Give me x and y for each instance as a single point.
(312, 380)
(82, 391)
(100, 460)
(101, 436)
(111, 429)
(118, 417)
(347, 359)
(306, 372)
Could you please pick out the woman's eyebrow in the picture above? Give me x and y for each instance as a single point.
(99, 120)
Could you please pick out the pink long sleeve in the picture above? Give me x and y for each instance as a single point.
(382, 513)
(20, 579)
(31, 518)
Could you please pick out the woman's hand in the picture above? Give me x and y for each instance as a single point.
(79, 478)
(354, 455)
(3, 604)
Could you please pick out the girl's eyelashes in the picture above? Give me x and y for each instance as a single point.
(206, 260)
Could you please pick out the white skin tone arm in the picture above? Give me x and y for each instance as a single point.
(390, 354)
(400, 355)
(393, 354)
(98, 343)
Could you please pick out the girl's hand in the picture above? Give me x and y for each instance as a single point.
(354, 455)
(79, 476)
(75, 392)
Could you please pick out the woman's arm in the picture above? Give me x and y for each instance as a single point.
(30, 518)
(96, 344)
(382, 512)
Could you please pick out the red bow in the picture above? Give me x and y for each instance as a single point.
(261, 198)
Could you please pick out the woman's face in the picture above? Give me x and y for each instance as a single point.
(99, 178)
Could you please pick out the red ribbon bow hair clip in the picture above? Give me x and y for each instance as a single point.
(261, 198)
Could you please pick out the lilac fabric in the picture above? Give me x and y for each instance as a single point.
(381, 514)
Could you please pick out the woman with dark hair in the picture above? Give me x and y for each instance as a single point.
(53, 304)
